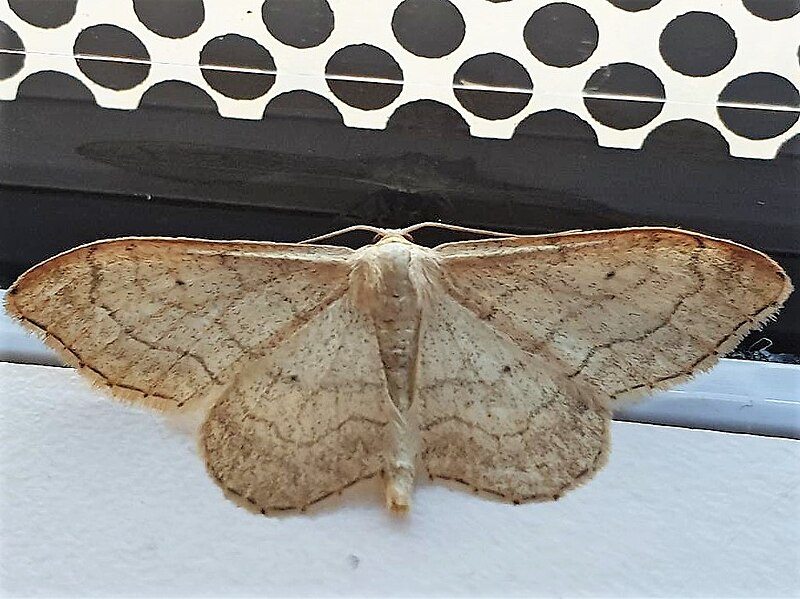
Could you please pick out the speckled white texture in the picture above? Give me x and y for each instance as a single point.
(99, 499)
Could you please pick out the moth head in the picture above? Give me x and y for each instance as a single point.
(392, 236)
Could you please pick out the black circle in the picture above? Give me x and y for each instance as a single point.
(10, 64)
(428, 119)
(624, 79)
(54, 85)
(46, 14)
(634, 5)
(302, 104)
(110, 40)
(773, 10)
(173, 19)
(429, 28)
(556, 124)
(177, 95)
(493, 70)
(686, 137)
(234, 50)
(759, 89)
(365, 61)
(298, 23)
(561, 35)
(697, 44)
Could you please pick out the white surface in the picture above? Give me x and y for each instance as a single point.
(99, 499)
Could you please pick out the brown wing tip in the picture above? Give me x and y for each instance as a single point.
(766, 268)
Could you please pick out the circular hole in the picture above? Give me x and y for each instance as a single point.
(759, 89)
(10, 64)
(242, 52)
(561, 35)
(493, 70)
(52, 84)
(428, 119)
(110, 40)
(429, 28)
(773, 10)
(624, 79)
(298, 23)
(697, 44)
(686, 136)
(556, 124)
(634, 5)
(178, 94)
(302, 104)
(173, 19)
(364, 61)
(44, 13)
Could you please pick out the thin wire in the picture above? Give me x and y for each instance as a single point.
(465, 85)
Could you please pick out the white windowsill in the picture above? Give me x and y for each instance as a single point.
(102, 499)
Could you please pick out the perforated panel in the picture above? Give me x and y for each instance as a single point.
(626, 67)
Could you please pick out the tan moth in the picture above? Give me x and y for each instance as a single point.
(492, 363)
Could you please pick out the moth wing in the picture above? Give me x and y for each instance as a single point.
(305, 421)
(500, 420)
(167, 322)
(626, 311)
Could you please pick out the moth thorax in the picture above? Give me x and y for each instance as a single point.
(390, 277)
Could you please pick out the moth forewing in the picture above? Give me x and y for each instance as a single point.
(625, 311)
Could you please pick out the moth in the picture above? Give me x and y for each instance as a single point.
(494, 364)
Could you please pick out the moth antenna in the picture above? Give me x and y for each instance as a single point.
(376, 230)
(450, 227)
(461, 229)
